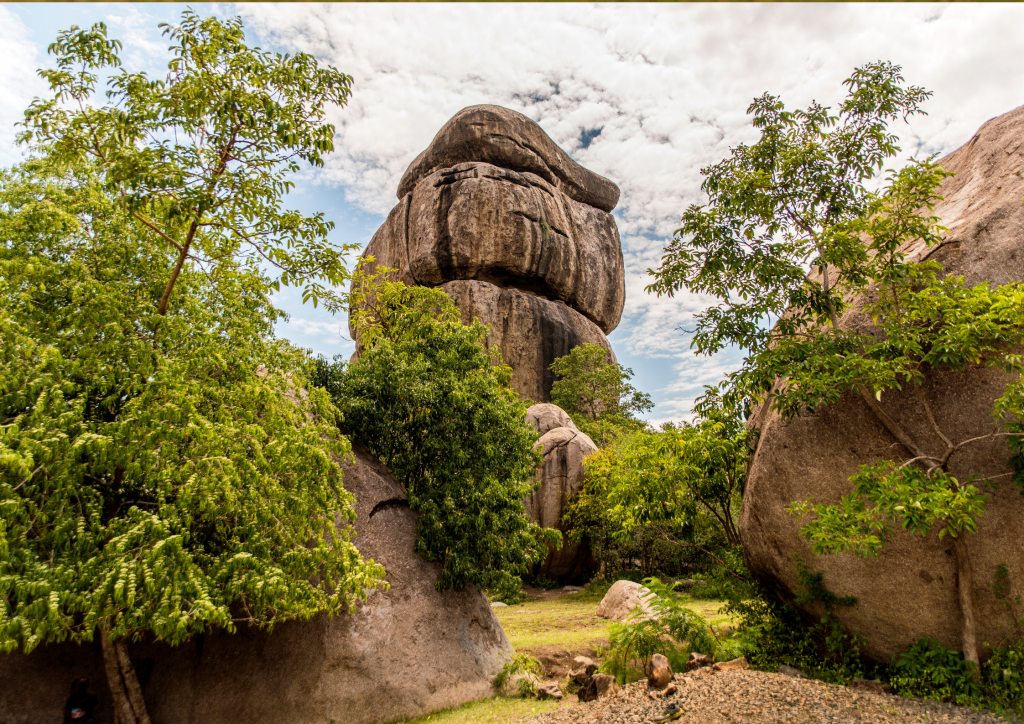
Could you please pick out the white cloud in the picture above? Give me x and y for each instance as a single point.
(667, 85)
(19, 83)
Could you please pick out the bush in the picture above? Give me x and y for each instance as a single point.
(929, 670)
(672, 630)
(519, 664)
(1003, 679)
(426, 398)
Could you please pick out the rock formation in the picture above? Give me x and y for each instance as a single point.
(622, 599)
(405, 651)
(560, 477)
(517, 233)
(910, 590)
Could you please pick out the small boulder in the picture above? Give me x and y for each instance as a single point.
(549, 690)
(498, 604)
(697, 661)
(598, 686)
(586, 664)
(521, 685)
(571, 589)
(740, 663)
(790, 671)
(622, 598)
(670, 690)
(659, 672)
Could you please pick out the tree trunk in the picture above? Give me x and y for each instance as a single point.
(129, 706)
(965, 584)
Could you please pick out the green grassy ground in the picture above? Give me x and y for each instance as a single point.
(559, 627)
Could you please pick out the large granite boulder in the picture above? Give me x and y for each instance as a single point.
(531, 331)
(910, 590)
(518, 233)
(561, 477)
(405, 651)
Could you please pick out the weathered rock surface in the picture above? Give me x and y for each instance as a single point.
(517, 233)
(530, 331)
(909, 591)
(546, 417)
(406, 651)
(659, 672)
(505, 138)
(560, 477)
(478, 221)
(621, 600)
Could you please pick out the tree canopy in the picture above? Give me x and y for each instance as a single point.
(162, 471)
(597, 394)
(798, 200)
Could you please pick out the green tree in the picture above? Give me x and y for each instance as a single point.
(160, 473)
(798, 199)
(426, 398)
(676, 483)
(596, 393)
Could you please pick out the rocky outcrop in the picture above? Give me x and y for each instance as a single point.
(516, 232)
(560, 477)
(405, 651)
(910, 590)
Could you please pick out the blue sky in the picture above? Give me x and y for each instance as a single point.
(645, 94)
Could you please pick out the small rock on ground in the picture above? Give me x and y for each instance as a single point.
(753, 697)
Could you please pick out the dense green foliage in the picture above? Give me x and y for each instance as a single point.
(597, 395)
(426, 398)
(671, 629)
(161, 472)
(157, 476)
(666, 499)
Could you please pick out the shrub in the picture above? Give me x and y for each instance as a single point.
(929, 670)
(671, 630)
(523, 664)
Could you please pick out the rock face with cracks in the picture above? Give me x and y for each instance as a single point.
(405, 651)
(560, 476)
(910, 590)
(517, 233)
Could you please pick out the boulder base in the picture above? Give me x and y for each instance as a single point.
(404, 652)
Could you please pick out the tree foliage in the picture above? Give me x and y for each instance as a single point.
(201, 159)
(155, 485)
(596, 393)
(681, 484)
(427, 399)
(798, 199)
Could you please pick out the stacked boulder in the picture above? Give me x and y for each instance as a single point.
(517, 233)
(910, 589)
(560, 478)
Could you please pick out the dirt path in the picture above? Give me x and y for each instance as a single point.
(755, 697)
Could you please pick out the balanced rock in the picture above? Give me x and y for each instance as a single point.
(560, 477)
(910, 590)
(517, 233)
(405, 651)
(622, 600)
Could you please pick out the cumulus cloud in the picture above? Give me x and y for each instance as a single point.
(19, 83)
(643, 94)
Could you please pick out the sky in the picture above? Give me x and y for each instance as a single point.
(644, 94)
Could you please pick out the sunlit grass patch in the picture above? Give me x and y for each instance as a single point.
(488, 711)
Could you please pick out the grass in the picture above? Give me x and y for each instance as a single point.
(569, 623)
(489, 711)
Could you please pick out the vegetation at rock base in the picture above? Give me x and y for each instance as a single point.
(426, 398)
(597, 394)
(799, 198)
(161, 473)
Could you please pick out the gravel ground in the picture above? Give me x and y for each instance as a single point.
(710, 697)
